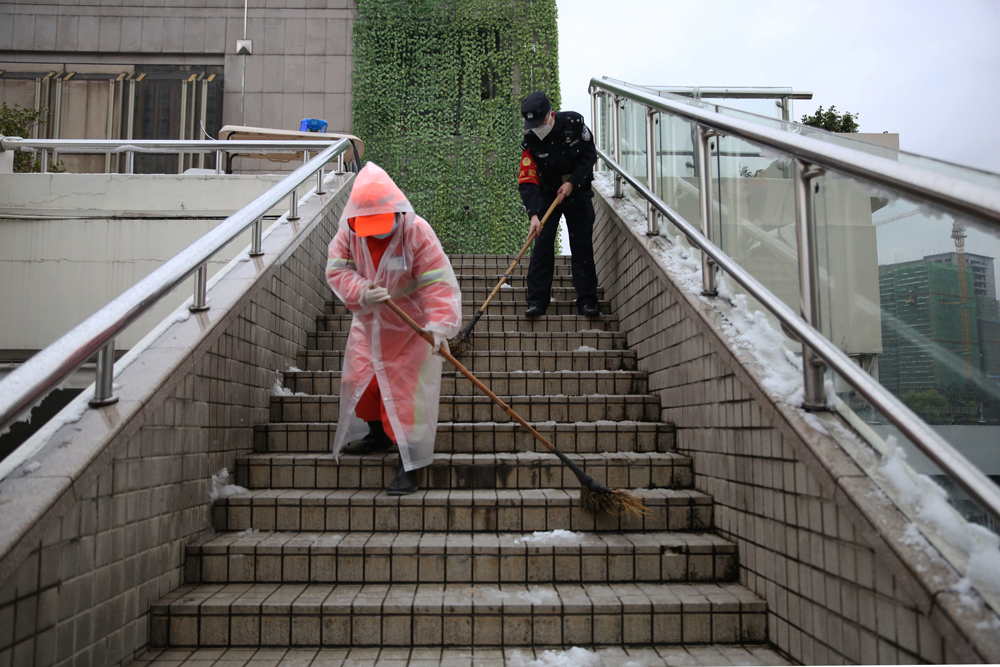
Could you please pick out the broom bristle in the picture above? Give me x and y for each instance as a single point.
(459, 345)
(619, 503)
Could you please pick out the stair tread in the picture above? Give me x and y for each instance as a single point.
(460, 598)
(610, 655)
(289, 542)
(450, 497)
(484, 458)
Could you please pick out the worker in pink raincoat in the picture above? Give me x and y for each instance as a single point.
(391, 377)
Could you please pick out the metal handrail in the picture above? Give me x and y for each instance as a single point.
(971, 480)
(957, 196)
(33, 380)
(157, 145)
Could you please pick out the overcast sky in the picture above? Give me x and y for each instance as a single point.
(928, 70)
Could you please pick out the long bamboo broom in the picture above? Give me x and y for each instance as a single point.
(594, 497)
(459, 344)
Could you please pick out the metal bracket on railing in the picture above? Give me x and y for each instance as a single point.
(805, 235)
(703, 162)
(652, 222)
(200, 301)
(104, 388)
(256, 236)
(616, 135)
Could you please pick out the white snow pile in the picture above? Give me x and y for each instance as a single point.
(780, 369)
(248, 531)
(574, 657)
(506, 286)
(538, 595)
(559, 536)
(279, 390)
(585, 348)
(32, 467)
(930, 504)
(221, 488)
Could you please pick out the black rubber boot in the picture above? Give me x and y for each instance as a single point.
(375, 441)
(404, 483)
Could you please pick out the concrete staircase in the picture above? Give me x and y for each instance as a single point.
(317, 555)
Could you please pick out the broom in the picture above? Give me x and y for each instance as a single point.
(459, 344)
(594, 497)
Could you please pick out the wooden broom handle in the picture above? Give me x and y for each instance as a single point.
(503, 279)
(467, 373)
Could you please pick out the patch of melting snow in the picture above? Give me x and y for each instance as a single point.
(278, 390)
(574, 657)
(248, 531)
(558, 536)
(930, 503)
(585, 348)
(221, 488)
(538, 595)
(32, 467)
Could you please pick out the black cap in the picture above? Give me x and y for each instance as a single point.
(535, 108)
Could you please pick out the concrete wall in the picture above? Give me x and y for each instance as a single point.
(97, 533)
(300, 67)
(70, 243)
(816, 537)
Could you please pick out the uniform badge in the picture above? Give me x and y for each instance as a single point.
(586, 133)
(526, 162)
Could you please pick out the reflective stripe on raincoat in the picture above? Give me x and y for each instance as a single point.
(421, 281)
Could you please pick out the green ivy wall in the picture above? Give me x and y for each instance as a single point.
(437, 93)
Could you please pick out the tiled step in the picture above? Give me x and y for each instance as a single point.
(631, 407)
(467, 437)
(366, 557)
(509, 307)
(500, 361)
(480, 281)
(514, 321)
(457, 614)
(585, 340)
(460, 511)
(534, 383)
(464, 471)
(466, 656)
(476, 296)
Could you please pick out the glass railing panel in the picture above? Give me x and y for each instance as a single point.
(633, 117)
(910, 293)
(677, 176)
(753, 215)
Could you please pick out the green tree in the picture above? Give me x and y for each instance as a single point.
(832, 121)
(931, 405)
(18, 121)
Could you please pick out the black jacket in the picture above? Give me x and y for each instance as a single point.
(567, 153)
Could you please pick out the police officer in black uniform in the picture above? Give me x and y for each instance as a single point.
(558, 160)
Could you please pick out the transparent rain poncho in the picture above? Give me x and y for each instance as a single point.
(420, 280)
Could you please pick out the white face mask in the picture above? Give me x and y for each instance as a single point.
(543, 130)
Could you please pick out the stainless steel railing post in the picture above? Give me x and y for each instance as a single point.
(104, 389)
(293, 205)
(256, 235)
(703, 162)
(45, 161)
(219, 162)
(340, 164)
(130, 162)
(616, 135)
(319, 181)
(593, 118)
(200, 301)
(652, 223)
(805, 236)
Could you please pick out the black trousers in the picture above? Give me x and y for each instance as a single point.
(579, 212)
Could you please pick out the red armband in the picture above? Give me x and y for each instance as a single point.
(528, 172)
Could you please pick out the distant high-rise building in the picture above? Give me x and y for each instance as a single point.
(924, 345)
